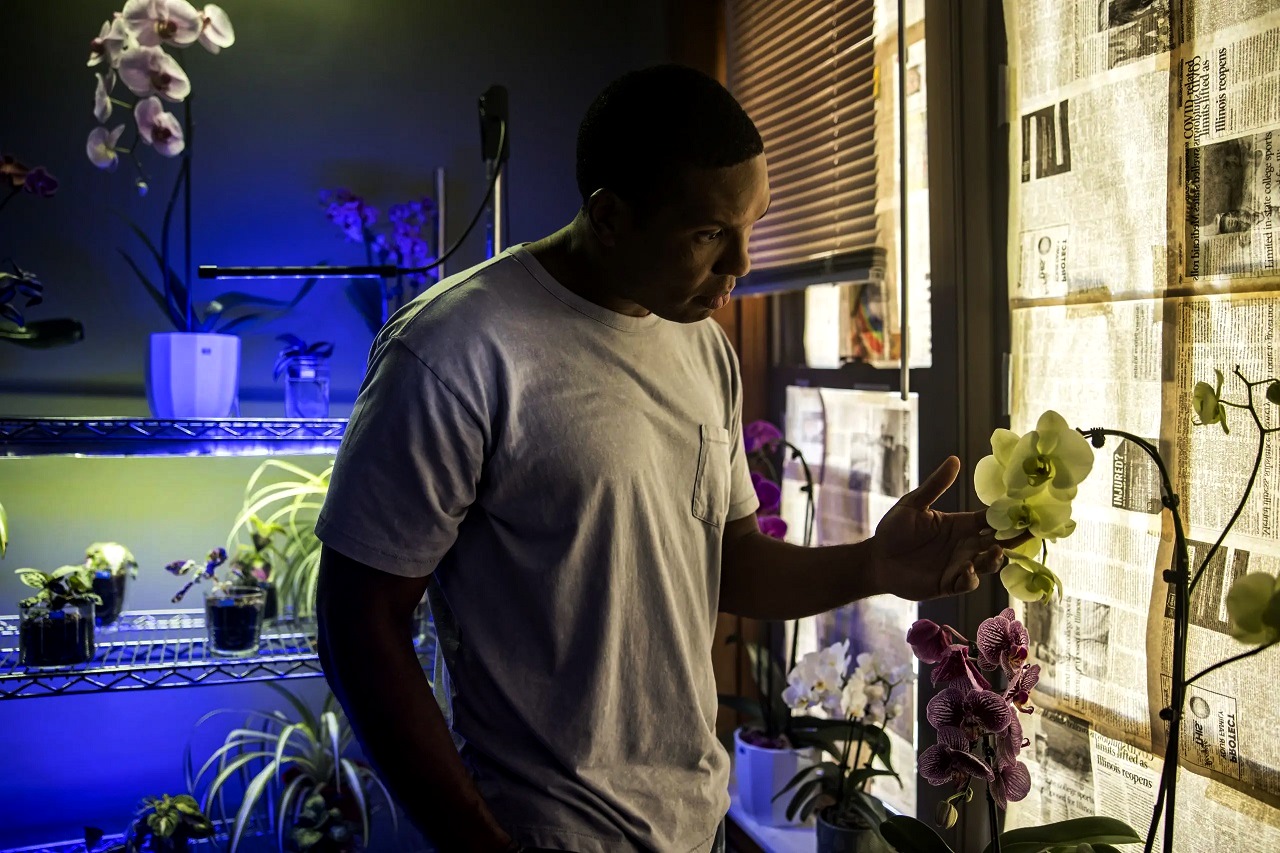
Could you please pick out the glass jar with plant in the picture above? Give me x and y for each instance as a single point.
(55, 626)
(112, 565)
(252, 563)
(314, 798)
(305, 368)
(232, 611)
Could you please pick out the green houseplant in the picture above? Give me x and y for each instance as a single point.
(252, 563)
(164, 824)
(283, 494)
(232, 610)
(321, 800)
(112, 565)
(55, 626)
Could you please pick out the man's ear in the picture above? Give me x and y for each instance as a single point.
(609, 215)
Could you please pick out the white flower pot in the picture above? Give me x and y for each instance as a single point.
(761, 774)
(192, 374)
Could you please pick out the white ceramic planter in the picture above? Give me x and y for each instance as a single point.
(192, 374)
(762, 773)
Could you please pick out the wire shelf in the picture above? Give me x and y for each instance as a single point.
(153, 649)
(150, 437)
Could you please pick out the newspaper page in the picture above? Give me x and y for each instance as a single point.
(1061, 765)
(861, 451)
(1229, 729)
(1226, 135)
(1090, 125)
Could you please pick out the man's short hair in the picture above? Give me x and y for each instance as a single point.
(648, 126)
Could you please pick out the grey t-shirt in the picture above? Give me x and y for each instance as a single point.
(567, 472)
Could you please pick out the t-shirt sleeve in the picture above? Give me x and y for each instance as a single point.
(407, 469)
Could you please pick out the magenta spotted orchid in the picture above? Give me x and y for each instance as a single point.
(979, 734)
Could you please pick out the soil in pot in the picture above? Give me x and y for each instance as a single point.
(59, 638)
(109, 586)
(234, 624)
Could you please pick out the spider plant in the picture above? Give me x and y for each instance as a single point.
(287, 496)
(286, 764)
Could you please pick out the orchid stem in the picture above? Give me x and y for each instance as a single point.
(1250, 653)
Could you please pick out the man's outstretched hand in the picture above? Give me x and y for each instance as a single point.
(922, 553)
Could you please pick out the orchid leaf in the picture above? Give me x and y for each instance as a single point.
(168, 308)
(1083, 830)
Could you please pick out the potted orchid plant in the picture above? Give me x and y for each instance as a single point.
(21, 289)
(859, 706)
(112, 565)
(232, 610)
(1028, 483)
(305, 368)
(194, 371)
(405, 243)
(767, 750)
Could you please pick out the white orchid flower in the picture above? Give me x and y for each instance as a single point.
(113, 40)
(1026, 578)
(1051, 457)
(101, 147)
(158, 128)
(1041, 514)
(150, 71)
(215, 29)
(154, 22)
(853, 698)
(102, 96)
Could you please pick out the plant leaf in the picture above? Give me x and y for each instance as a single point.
(158, 297)
(4, 531)
(1082, 830)
(33, 578)
(348, 771)
(908, 835)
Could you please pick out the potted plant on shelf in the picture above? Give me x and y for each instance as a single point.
(305, 368)
(252, 563)
(860, 706)
(282, 493)
(164, 824)
(55, 626)
(194, 371)
(319, 799)
(232, 611)
(112, 565)
(768, 749)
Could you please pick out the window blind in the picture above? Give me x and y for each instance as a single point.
(805, 71)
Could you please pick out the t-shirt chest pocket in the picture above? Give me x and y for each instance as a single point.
(711, 484)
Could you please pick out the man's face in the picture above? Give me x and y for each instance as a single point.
(681, 259)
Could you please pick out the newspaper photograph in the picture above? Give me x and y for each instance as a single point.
(1061, 766)
(1227, 127)
(861, 450)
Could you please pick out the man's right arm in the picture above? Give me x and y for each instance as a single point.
(366, 651)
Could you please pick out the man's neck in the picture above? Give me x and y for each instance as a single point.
(569, 257)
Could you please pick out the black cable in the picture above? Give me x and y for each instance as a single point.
(484, 203)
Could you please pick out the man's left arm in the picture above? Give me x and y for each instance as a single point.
(917, 553)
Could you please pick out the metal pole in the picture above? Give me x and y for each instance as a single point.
(499, 190)
(903, 291)
(440, 214)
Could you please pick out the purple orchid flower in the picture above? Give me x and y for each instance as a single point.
(974, 712)
(767, 491)
(949, 760)
(1011, 742)
(772, 526)
(759, 435)
(956, 668)
(1011, 783)
(1002, 643)
(40, 182)
(929, 640)
(1020, 686)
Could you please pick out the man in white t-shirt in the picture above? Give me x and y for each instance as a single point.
(554, 439)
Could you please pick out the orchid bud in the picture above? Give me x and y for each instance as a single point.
(945, 815)
(1273, 393)
(142, 187)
